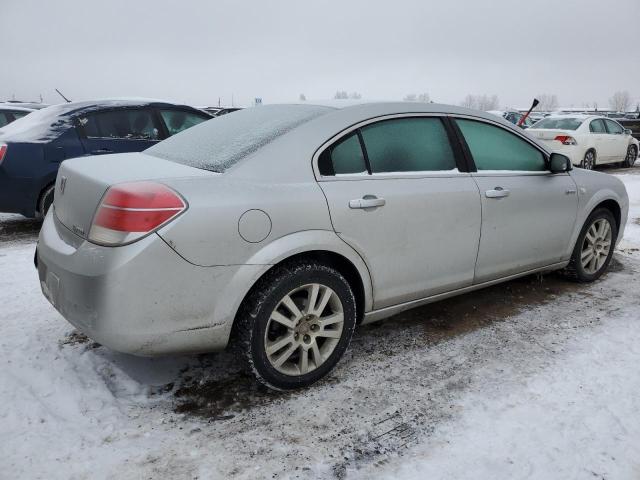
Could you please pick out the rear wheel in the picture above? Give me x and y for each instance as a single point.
(594, 248)
(632, 155)
(296, 324)
(46, 200)
(589, 160)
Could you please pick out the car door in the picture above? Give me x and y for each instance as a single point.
(600, 138)
(528, 213)
(397, 195)
(118, 130)
(618, 141)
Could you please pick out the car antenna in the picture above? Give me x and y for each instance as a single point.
(65, 98)
(524, 117)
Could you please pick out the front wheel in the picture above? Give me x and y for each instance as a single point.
(296, 324)
(632, 155)
(589, 160)
(594, 248)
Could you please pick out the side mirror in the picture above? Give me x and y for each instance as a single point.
(559, 163)
(627, 131)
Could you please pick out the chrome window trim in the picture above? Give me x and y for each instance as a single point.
(382, 175)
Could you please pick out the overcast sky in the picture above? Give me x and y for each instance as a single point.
(198, 51)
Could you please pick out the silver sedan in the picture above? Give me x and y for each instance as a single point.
(280, 228)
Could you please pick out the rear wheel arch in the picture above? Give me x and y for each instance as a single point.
(48, 189)
(330, 258)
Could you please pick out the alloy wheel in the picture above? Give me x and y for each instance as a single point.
(632, 155)
(596, 246)
(304, 329)
(588, 161)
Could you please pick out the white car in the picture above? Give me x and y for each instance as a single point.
(587, 139)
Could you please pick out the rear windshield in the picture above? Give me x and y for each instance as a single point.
(559, 123)
(219, 143)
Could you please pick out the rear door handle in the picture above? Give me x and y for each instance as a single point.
(497, 192)
(368, 201)
(101, 150)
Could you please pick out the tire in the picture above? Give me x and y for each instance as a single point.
(589, 160)
(583, 267)
(267, 330)
(632, 155)
(46, 200)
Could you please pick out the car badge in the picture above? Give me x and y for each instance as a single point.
(63, 184)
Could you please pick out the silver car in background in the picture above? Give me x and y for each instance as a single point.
(282, 227)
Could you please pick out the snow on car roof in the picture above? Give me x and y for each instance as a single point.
(49, 123)
(15, 108)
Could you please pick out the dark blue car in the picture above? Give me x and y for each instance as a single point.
(32, 148)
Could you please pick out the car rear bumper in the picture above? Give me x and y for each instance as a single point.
(141, 298)
(574, 152)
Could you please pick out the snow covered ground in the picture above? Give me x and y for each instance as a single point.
(537, 378)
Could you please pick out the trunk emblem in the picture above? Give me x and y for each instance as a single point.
(63, 184)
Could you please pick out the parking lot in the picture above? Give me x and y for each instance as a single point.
(536, 377)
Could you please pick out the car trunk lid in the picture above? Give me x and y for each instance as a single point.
(82, 182)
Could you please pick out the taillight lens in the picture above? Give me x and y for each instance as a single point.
(130, 211)
(566, 140)
(3, 151)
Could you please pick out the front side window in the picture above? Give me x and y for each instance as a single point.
(130, 124)
(343, 158)
(597, 126)
(179, 120)
(494, 148)
(4, 120)
(614, 127)
(408, 145)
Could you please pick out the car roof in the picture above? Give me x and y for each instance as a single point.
(48, 123)
(15, 108)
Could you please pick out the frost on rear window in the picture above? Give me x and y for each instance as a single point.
(219, 143)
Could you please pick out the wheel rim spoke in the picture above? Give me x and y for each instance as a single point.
(279, 344)
(293, 308)
(282, 320)
(331, 319)
(313, 298)
(317, 356)
(330, 333)
(304, 361)
(285, 355)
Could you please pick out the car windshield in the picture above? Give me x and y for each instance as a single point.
(559, 123)
(218, 144)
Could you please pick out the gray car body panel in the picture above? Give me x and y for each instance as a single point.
(179, 289)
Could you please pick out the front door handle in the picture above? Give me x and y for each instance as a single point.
(368, 201)
(101, 151)
(497, 192)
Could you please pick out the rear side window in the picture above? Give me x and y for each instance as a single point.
(130, 124)
(494, 148)
(597, 126)
(222, 142)
(408, 145)
(342, 158)
(4, 120)
(179, 120)
(614, 127)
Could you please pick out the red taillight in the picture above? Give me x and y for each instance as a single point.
(129, 211)
(566, 140)
(3, 151)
